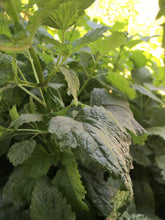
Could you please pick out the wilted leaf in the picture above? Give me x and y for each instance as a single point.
(19, 152)
(120, 110)
(26, 118)
(96, 138)
(48, 203)
(101, 191)
(73, 82)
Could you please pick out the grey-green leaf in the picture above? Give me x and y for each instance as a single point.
(96, 137)
(48, 203)
(20, 152)
(120, 110)
(26, 118)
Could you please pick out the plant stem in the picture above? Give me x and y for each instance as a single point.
(32, 95)
(13, 48)
(118, 58)
(37, 70)
(83, 86)
(14, 12)
(58, 63)
(32, 130)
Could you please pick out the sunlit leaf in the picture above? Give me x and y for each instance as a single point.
(121, 83)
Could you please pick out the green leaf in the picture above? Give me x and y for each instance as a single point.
(13, 8)
(157, 131)
(66, 14)
(111, 43)
(157, 118)
(48, 203)
(4, 27)
(160, 160)
(73, 82)
(68, 181)
(2, 130)
(44, 9)
(138, 58)
(121, 111)
(5, 63)
(146, 92)
(121, 83)
(44, 37)
(54, 104)
(26, 118)
(144, 197)
(91, 36)
(20, 152)
(18, 189)
(13, 113)
(140, 154)
(141, 75)
(38, 163)
(161, 12)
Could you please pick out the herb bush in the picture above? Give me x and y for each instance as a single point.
(79, 138)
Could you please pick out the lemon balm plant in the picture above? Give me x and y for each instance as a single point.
(66, 124)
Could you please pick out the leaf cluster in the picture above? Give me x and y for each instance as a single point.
(80, 116)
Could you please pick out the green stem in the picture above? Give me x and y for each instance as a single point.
(37, 65)
(83, 86)
(13, 48)
(118, 59)
(58, 64)
(105, 85)
(32, 130)
(14, 12)
(32, 95)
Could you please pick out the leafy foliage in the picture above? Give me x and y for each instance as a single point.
(49, 203)
(20, 151)
(81, 116)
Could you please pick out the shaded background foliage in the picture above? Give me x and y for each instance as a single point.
(82, 125)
